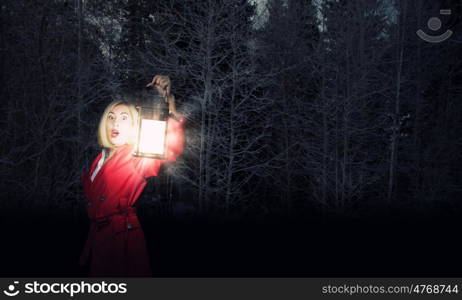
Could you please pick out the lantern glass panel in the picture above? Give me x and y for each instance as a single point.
(152, 132)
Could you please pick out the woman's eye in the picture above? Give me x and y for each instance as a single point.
(110, 117)
(124, 118)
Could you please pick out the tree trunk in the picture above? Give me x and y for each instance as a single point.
(396, 113)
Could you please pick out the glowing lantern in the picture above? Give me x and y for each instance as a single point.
(152, 130)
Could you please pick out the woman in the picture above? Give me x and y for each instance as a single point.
(115, 245)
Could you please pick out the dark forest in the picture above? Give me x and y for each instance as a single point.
(322, 136)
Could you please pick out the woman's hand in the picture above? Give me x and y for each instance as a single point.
(163, 85)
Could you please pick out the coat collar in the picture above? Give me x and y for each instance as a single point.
(99, 162)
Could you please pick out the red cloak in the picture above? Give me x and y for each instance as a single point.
(115, 244)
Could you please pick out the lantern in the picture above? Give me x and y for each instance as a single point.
(152, 129)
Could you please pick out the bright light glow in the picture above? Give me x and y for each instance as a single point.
(152, 137)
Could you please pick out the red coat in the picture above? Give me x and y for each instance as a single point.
(115, 245)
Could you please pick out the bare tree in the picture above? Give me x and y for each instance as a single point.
(206, 47)
(51, 89)
(344, 153)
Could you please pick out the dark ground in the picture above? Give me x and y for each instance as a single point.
(407, 245)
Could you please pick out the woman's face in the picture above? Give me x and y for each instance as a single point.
(118, 125)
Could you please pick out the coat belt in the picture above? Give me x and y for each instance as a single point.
(103, 221)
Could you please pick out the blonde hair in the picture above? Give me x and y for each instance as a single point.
(103, 139)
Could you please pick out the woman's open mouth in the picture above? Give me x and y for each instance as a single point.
(114, 133)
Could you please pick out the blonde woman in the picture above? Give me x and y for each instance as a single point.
(115, 245)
